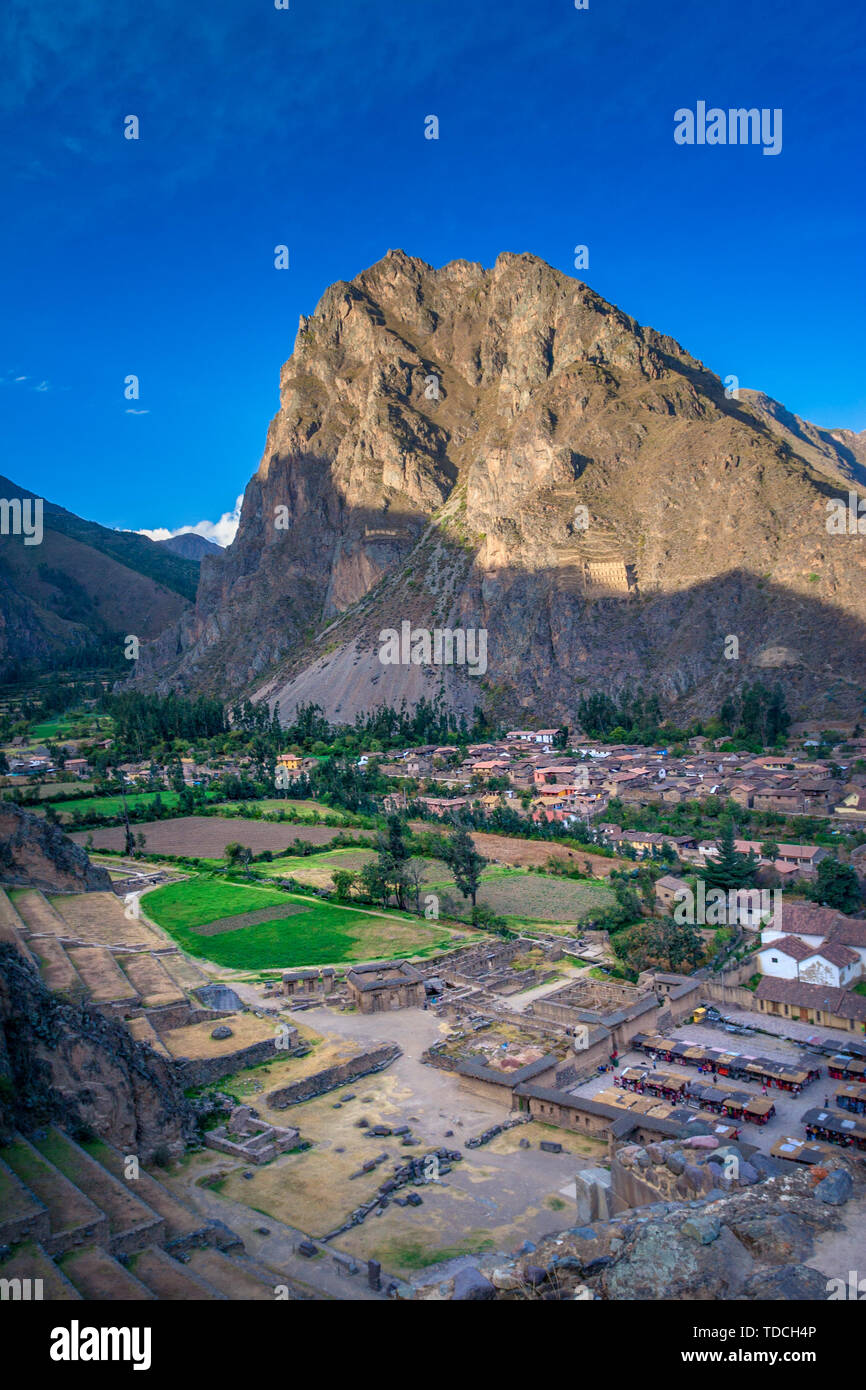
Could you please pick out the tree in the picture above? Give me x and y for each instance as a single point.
(836, 885)
(414, 874)
(237, 854)
(344, 882)
(465, 862)
(731, 869)
(770, 849)
(664, 944)
(393, 860)
(375, 883)
(486, 919)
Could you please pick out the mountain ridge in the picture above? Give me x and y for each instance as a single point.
(82, 589)
(448, 425)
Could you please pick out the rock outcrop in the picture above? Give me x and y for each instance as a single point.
(504, 450)
(34, 854)
(70, 1065)
(750, 1242)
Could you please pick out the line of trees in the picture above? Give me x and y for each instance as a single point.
(142, 720)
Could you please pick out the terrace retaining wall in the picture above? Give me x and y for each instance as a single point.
(307, 1087)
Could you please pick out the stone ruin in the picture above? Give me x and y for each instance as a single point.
(246, 1137)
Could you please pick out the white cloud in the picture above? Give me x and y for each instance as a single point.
(221, 532)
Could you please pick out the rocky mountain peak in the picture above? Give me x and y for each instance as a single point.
(503, 449)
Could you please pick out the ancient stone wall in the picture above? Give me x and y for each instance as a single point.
(306, 1087)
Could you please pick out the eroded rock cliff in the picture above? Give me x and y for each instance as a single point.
(71, 1065)
(34, 854)
(502, 449)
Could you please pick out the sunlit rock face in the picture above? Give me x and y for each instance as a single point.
(503, 450)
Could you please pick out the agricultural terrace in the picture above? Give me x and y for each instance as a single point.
(43, 791)
(522, 898)
(246, 927)
(206, 837)
(305, 809)
(111, 805)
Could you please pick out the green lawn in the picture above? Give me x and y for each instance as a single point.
(319, 934)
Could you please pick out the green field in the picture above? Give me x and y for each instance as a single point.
(63, 725)
(524, 899)
(45, 791)
(305, 809)
(112, 805)
(318, 934)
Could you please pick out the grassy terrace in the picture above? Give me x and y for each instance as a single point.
(305, 809)
(297, 931)
(112, 805)
(526, 899)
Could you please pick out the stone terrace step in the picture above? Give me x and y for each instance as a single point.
(37, 914)
(143, 1030)
(185, 972)
(168, 1279)
(184, 1227)
(56, 968)
(98, 1275)
(29, 1261)
(74, 1219)
(102, 975)
(132, 1225)
(99, 919)
(22, 1216)
(151, 981)
(231, 1274)
(12, 929)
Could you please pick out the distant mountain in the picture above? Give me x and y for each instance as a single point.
(841, 454)
(501, 449)
(190, 545)
(74, 597)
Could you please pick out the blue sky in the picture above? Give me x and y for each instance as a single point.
(306, 127)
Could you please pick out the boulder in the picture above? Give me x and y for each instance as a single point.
(835, 1189)
(774, 1237)
(747, 1174)
(704, 1229)
(471, 1285)
(789, 1282)
(664, 1262)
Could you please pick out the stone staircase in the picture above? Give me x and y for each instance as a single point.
(79, 1222)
